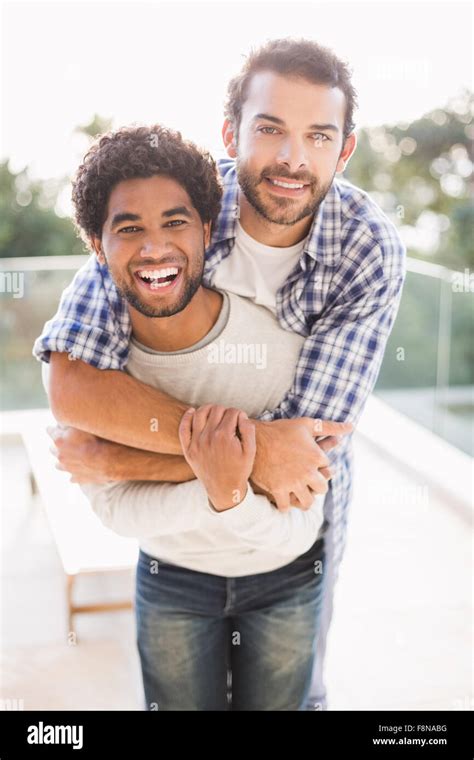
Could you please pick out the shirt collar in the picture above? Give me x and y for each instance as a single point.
(324, 240)
(323, 243)
(226, 224)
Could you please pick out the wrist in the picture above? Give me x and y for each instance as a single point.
(263, 437)
(263, 432)
(222, 502)
(114, 461)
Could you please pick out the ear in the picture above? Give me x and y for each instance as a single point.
(230, 141)
(207, 226)
(347, 151)
(96, 244)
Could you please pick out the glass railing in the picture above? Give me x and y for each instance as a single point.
(428, 367)
(427, 372)
(30, 289)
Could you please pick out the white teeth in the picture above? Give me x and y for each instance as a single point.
(286, 185)
(153, 274)
(155, 284)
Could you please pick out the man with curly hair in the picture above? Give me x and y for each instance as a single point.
(315, 251)
(226, 583)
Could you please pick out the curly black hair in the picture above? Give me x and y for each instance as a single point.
(293, 57)
(141, 152)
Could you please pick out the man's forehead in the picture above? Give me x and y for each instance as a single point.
(293, 97)
(161, 190)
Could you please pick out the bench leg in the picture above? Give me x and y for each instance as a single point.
(70, 604)
(74, 609)
(33, 486)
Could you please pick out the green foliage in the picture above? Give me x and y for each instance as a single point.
(97, 126)
(421, 174)
(29, 224)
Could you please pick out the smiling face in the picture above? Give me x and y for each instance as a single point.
(290, 145)
(153, 242)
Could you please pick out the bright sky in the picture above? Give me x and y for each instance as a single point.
(170, 62)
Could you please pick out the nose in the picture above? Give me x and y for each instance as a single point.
(292, 154)
(156, 244)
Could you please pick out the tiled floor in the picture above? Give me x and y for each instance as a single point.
(402, 626)
(401, 632)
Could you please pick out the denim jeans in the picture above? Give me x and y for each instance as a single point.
(207, 642)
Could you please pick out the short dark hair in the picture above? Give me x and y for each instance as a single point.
(142, 152)
(297, 58)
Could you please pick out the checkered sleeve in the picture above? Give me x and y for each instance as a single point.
(92, 322)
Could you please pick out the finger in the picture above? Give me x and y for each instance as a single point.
(321, 460)
(318, 483)
(229, 423)
(199, 419)
(282, 501)
(215, 416)
(59, 466)
(303, 497)
(185, 429)
(295, 502)
(326, 473)
(53, 431)
(247, 434)
(328, 427)
(326, 444)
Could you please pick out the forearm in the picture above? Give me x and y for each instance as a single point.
(114, 406)
(260, 525)
(125, 463)
(147, 510)
(119, 408)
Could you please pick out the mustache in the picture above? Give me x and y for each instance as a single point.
(278, 171)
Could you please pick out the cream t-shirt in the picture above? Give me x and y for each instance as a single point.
(256, 271)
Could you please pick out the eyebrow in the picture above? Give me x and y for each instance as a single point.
(280, 122)
(178, 210)
(127, 216)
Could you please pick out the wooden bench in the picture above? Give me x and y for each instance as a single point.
(85, 546)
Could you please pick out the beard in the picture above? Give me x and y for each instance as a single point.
(127, 291)
(280, 210)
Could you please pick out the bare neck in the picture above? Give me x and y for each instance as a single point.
(181, 330)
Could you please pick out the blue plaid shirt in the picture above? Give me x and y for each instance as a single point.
(342, 296)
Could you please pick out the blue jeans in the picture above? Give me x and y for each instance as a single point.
(198, 633)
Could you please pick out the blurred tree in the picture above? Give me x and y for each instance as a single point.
(29, 224)
(421, 174)
(96, 126)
